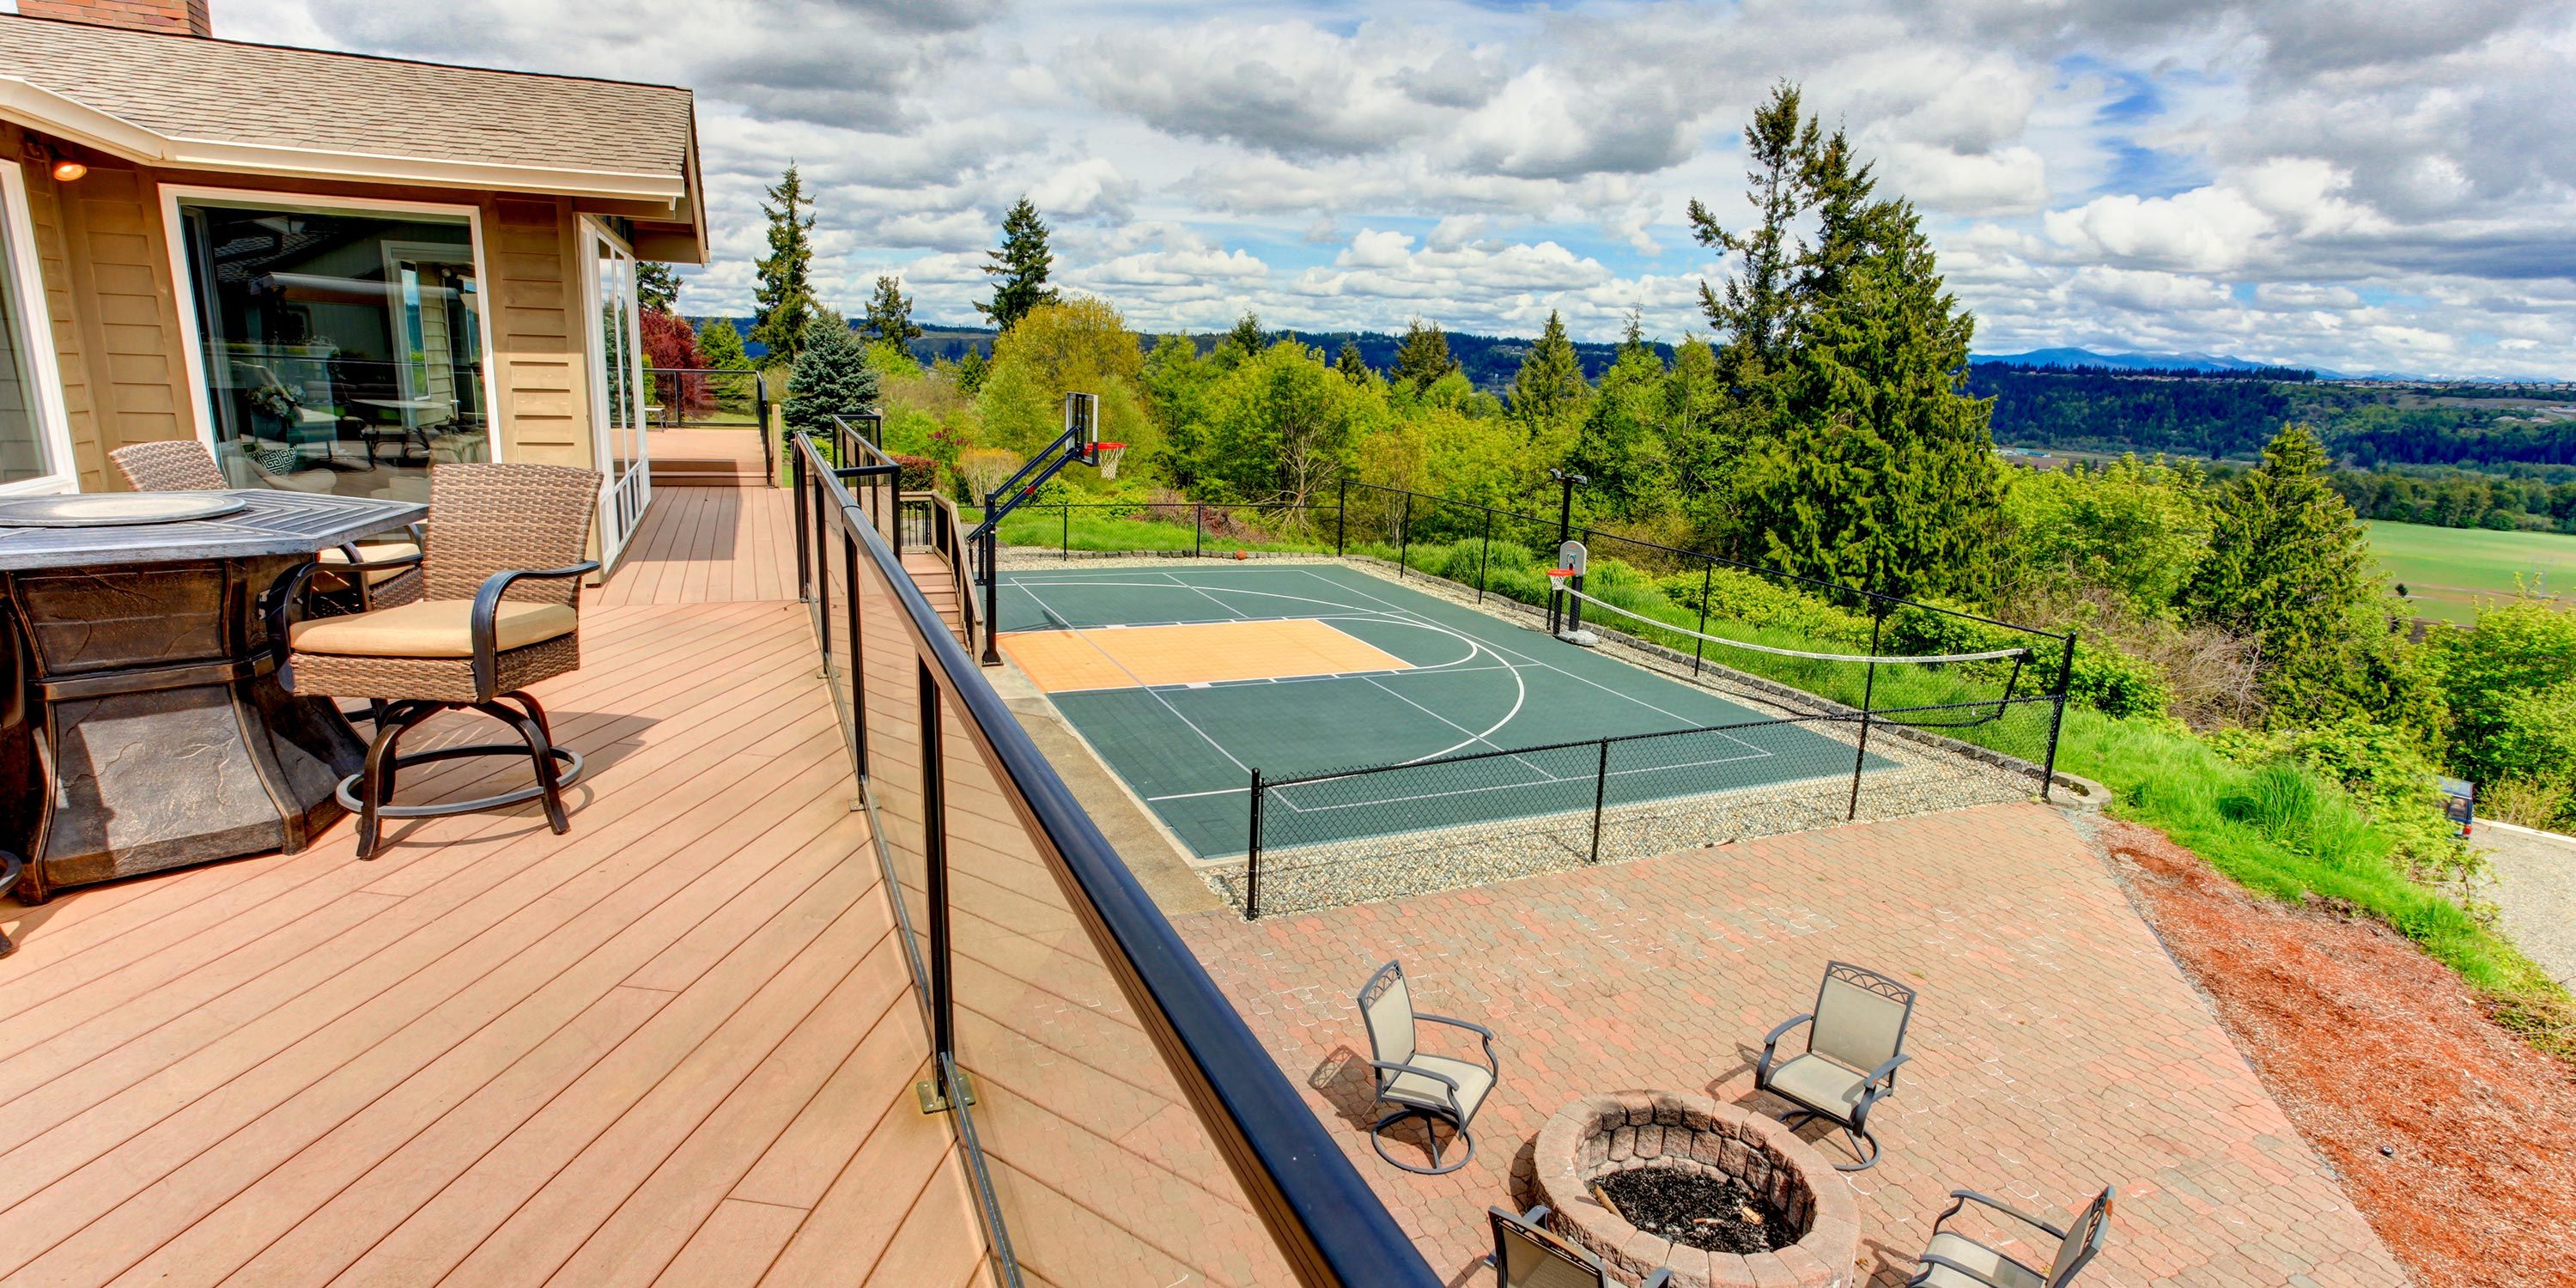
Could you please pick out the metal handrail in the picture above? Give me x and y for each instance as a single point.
(759, 409)
(948, 541)
(1324, 1219)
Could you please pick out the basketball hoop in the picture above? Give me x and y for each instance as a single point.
(1106, 456)
(1558, 577)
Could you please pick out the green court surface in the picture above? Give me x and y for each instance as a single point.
(1476, 684)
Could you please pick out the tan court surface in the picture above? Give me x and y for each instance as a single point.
(676, 1046)
(2056, 1047)
(1120, 657)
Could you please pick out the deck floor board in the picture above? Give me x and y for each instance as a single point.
(675, 1046)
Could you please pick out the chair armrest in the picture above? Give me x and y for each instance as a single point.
(355, 564)
(1771, 1042)
(283, 594)
(1390, 1066)
(1885, 1073)
(487, 610)
(2007, 1209)
(1478, 1029)
(1931, 1261)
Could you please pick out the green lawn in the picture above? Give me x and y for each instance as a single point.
(2446, 571)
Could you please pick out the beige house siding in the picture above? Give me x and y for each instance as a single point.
(104, 246)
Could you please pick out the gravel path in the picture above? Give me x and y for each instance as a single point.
(2535, 894)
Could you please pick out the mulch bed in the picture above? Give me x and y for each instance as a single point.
(1710, 1213)
(2454, 1137)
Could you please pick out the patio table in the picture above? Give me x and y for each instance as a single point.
(143, 725)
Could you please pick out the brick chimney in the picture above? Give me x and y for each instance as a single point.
(177, 17)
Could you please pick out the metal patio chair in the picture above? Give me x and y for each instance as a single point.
(1527, 1256)
(1854, 1045)
(1957, 1261)
(388, 567)
(1432, 1088)
(477, 639)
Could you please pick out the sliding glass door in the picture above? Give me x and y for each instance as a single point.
(617, 391)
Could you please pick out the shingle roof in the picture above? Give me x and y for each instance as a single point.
(229, 93)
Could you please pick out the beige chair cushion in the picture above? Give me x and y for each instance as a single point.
(1474, 1081)
(1820, 1084)
(374, 552)
(429, 628)
(1996, 1267)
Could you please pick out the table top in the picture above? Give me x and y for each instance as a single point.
(273, 522)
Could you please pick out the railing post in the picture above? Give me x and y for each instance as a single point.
(822, 590)
(1341, 516)
(858, 671)
(1252, 856)
(1868, 691)
(1707, 580)
(1484, 556)
(2057, 718)
(993, 598)
(1600, 797)
(804, 580)
(1404, 537)
(934, 855)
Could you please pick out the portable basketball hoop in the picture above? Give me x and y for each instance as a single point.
(1107, 456)
(1558, 578)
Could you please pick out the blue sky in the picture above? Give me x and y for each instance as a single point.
(2364, 186)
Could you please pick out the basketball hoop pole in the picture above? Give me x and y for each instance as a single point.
(1557, 603)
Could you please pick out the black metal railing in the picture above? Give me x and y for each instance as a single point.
(1322, 840)
(713, 398)
(1063, 1011)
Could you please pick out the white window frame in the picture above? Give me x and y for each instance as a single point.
(174, 232)
(36, 323)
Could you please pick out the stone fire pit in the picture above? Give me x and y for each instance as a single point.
(1600, 1136)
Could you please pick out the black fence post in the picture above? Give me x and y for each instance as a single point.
(1868, 690)
(1600, 797)
(1485, 556)
(1404, 537)
(992, 597)
(1064, 536)
(1252, 857)
(1198, 531)
(1707, 579)
(934, 856)
(2057, 717)
(1341, 516)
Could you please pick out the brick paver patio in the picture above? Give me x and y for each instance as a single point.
(2056, 1046)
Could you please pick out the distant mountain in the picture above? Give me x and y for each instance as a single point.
(2069, 357)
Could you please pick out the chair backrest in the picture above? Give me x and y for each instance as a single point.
(1860, 1017)
(1526, 1256)
(172, 465)
(2085, 1237)
(485, 519)
(1387, 1006)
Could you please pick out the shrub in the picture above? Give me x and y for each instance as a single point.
(920, 473)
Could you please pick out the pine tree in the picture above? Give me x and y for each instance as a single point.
(785, 302)
(1353, 367)
(1621, 448)
(831, 376)
(657, 286)
(720, 343)
(1798, 170)
(971, 366)
(1550, 384)
(1247, 335)
(889, 315)
(1423, 358)
(1018, 268)
(1879, 471)
(2290, 566)
(1632, 339)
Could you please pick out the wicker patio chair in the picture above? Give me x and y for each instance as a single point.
(388, 568)
(500, 612)
(1527, 1256)
(1957, 1261)
(1854, 1045)
(1432, 1088)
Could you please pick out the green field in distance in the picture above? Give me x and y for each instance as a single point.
(2446, 571)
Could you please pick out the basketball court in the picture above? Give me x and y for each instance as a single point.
(1186, 680)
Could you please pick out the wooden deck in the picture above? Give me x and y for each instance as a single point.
(676, 1046)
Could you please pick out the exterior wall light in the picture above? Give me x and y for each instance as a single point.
(69, 171)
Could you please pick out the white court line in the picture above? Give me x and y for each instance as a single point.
(1472, 736)
(1552, 781)
(1208, 597)
(1140, 680)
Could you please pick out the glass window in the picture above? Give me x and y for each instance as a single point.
(28, 452)
(342, 350)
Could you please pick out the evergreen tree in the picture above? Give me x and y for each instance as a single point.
(1620, 448)
(1879, 471)
(1353, 367)
(1247, 335)
(889, 315)
(1550, 384)
(1798, 170)
(657, 286)
(1632, 339)
(785, 303)
(971, 366)
(2290, 566)
(831, 376)
(1019, 267)
(1423, 358)
(720, 343)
